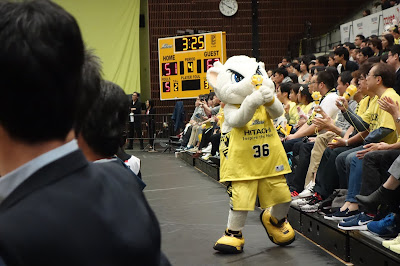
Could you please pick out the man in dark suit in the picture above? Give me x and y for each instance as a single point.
(394, 61)
(135, 122)
(56, 208)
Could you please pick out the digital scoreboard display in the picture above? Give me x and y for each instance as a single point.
(184, 61)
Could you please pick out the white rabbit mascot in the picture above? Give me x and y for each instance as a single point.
(253, 160)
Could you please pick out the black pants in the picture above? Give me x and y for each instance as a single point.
(375, 169)
(299, 177)
(186, 136)
(135, 131)
(215, 140)
(151, 130)
(327, 178)
(205, 138)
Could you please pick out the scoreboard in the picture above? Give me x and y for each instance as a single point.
(184, 61)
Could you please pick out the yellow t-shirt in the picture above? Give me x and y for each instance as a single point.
(253, 151)
(307, 108)
(293, 114)
(377, 117)
(363, 105)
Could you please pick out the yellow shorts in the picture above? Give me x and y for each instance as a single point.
(270, 191)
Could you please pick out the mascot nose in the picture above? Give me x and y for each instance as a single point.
(257, 80)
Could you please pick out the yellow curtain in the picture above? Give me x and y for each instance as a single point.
(112, 29)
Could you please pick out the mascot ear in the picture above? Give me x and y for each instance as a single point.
(213, 72)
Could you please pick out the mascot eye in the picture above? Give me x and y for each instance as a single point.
(237, 77)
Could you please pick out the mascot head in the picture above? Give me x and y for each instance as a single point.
(232, 81)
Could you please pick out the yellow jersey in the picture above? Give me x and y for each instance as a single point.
(293, 114)
(253, 151)
(377, 117)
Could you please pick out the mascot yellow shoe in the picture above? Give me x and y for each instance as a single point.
(279, 232)
(231, 242)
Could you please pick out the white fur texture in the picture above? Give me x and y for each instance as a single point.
(225, 79)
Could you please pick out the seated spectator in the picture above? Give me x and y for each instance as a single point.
(333, 71)
(364, 43)
(296, 70)
(306, 104)
(396, 34)
(321, 61)
(342, 60)
(358, 40)
(291, 114)
(350, 47)
(331, 60)
(394, 61)
(280, 76)
(364, 54)
(304, 75)
(376, 45)
(387, 43)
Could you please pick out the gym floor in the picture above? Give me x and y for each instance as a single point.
(192, 210)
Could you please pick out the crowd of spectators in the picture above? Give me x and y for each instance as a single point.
(344, 139)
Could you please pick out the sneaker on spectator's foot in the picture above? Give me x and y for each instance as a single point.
(326, 205)
(299, 202)
(231, 242)
(395, 248)
(340, 215)
(294, 194)
(391, 242)
(308, 191)
(279, 232)
(206, 156)
(387, 227)
(312, 204)
(358, 222)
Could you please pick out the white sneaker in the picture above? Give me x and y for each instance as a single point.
(310, 207)
(207, 149)
(388, 243)
(308, 191)
(299, 202)
(206, 156)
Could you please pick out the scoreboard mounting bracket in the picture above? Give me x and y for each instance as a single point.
(184, 61)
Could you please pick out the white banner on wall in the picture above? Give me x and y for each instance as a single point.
(345, 31)
(370, 25)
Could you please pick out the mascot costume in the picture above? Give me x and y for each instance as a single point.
(253, 160)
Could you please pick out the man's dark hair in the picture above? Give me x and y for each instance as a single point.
(350, 45)
(288, 59)
(333, 71)
(395, 49)
(41, 57)
(281, 71)
(318, 68)
(104, 125)
(297, 67)
(211, 95)
(286, 87)
(342, 51)
(387, 73)
(367, 51)
(326, 78)
(365, 68)
(91, 78)
(360, 36)
(323, 60)
(345, 77)
(294, 77)
(137, 93)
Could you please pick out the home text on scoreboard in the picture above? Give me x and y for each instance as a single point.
(184, 61)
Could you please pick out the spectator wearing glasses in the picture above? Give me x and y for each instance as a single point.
(394, 61)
